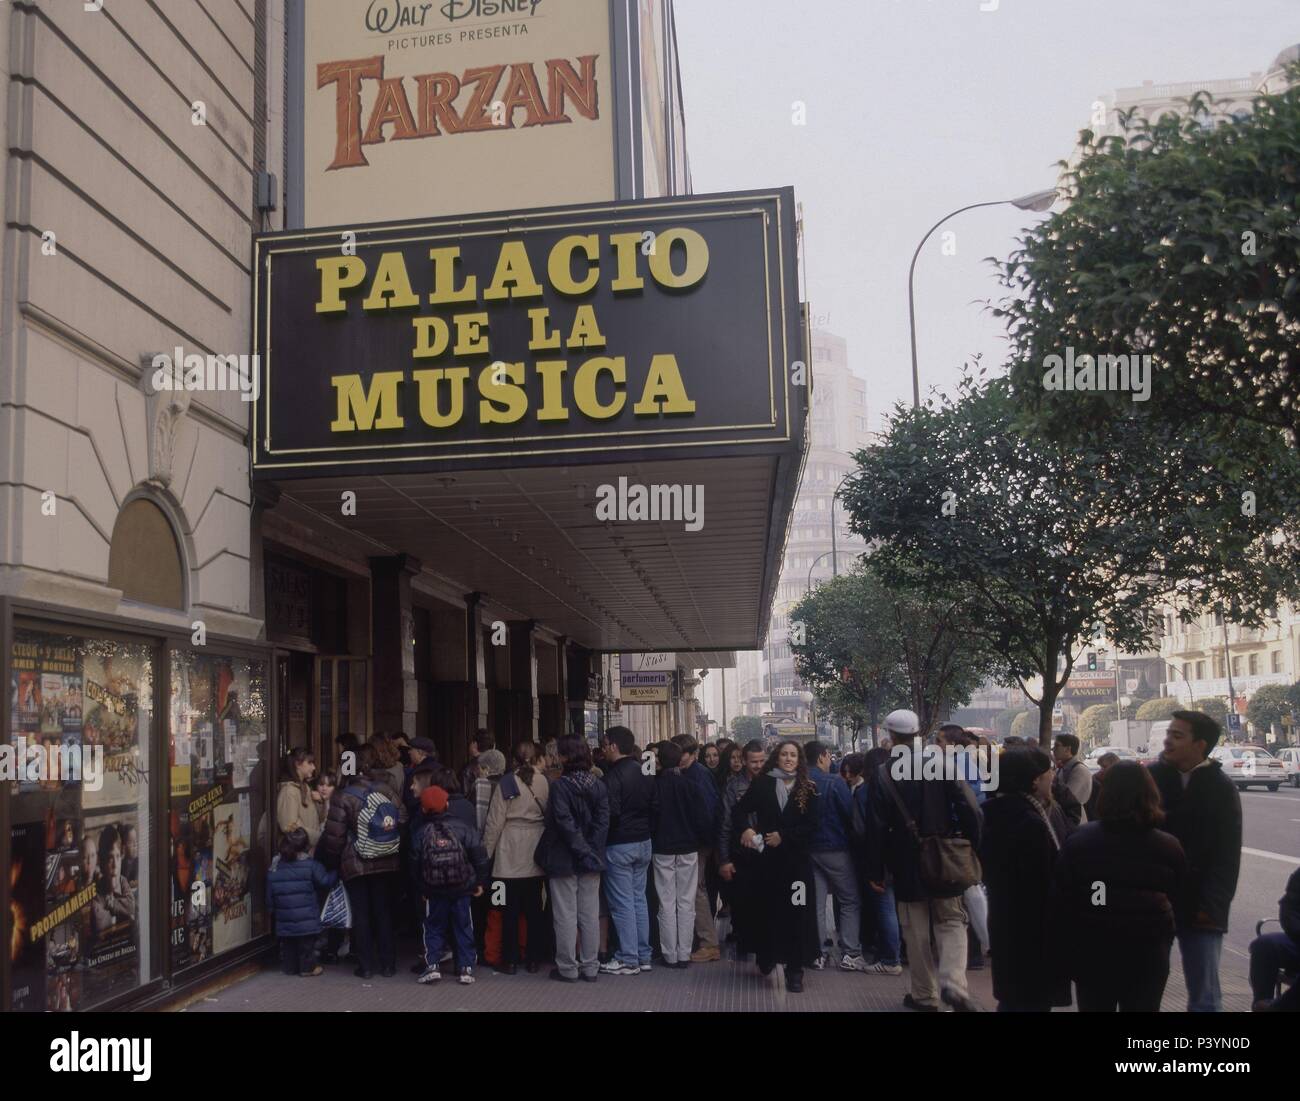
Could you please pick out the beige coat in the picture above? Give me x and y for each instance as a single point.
(514, 826)
(290, 813)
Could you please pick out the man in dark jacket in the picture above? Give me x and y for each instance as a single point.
(627, 851)
(833, 871)
(1203, 810)
(371, 883)
(572, 854)
(707, 787)
(680, 816)
(1274, 952)
(936, 807)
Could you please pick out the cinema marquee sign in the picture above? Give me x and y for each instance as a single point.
(658, 329)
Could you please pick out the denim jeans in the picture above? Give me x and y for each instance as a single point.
(626, 867)
(1201, 950)
(887, 932)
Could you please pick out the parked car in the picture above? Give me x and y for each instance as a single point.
(1092, 761)
(1290, 759)
(1248, 764)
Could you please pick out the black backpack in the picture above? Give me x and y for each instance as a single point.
(444, 864)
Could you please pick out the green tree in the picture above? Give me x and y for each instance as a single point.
(881, 642)
(1215, 708)
(1094, 724)
(1052, 541)
(1025, 725)
(744, 728)
(1270, 704)
(1179, 240)
(1158, 709)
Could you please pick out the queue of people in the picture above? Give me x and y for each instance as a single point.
(1075, 887)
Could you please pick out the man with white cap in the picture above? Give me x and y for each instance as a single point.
(906, 808)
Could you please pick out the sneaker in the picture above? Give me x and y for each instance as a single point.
(853, 963)
(430, 974)
(680, 965)
(879, 968)
(467, 976)
(647, 966)
(588, 978)
(819, 964)
(614, 967)
(911, 1003)
(555, 974)
(706, 955)
(794, 982)
(961, 1001)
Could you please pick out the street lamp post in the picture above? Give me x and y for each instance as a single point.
(1039, 201)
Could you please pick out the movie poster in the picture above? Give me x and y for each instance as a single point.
(111, 953)
(232, 922)
(26, 909)
(69, 895)
(112, 718)
(192, 887)
(45, 706)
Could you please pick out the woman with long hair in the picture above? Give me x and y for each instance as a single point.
(297, 805)
(730, 761)
(784, 802)
(1019, 851)
(1120, 944)
(515, 822)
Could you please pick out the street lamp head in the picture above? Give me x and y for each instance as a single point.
(1039, 201)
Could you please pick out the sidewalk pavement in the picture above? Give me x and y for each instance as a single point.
(723, 987)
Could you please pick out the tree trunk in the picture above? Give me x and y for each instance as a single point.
(1045, 709)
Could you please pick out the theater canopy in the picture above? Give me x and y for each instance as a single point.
(617, 390)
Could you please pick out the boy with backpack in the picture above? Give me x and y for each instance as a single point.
(450, 866)
(363, 839)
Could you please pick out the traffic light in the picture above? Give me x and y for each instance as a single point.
(1092, 661)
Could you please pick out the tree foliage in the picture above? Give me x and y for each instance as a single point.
(1159, 709)
(1269, 705)
(1094, 724)
(1212, 706)
(744, 728)
(1181, 239)
(1047, 540)
(883, 646)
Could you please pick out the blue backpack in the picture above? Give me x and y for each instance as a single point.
(378, 824)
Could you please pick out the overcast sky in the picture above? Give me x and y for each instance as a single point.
(915, 108)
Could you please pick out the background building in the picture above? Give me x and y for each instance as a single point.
(820, 543)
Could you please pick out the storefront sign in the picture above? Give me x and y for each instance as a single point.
(663, 329)
(1084, 685)
(629, 694)
(411, 109)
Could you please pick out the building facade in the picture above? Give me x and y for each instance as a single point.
(190, 622)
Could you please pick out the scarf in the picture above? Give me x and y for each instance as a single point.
(784, 782)
(1041, 811)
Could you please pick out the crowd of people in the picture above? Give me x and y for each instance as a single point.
(1073, 887)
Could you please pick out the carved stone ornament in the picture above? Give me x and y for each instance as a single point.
(164, 410)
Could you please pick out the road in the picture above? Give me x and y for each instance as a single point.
(1270, 824)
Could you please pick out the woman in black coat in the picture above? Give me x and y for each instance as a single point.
(784, 927)
(1114, 880)
(1019, 852)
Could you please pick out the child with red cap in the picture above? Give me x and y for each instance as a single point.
(450, 866)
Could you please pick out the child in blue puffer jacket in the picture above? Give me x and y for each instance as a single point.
(291, 900)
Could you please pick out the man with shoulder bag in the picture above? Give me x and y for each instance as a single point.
(926, 832)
